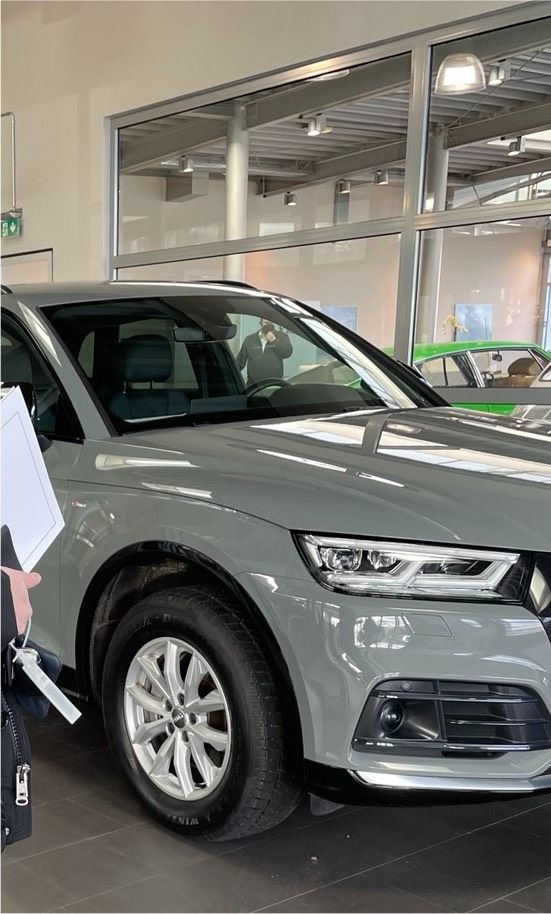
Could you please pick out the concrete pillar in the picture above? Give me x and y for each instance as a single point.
(431, 262)
(237, 176)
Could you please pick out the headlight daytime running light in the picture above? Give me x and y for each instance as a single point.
(378, 567)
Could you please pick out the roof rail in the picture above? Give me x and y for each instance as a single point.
(228, 282)
(6, 290)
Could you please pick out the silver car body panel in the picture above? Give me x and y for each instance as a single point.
(233, 493)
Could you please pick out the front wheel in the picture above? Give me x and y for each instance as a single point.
(192, 712)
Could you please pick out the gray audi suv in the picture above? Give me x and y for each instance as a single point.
(274, 584)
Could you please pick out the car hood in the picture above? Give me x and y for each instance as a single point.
(440, 474)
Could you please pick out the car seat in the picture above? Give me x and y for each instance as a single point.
(521, 373)
(146, 358)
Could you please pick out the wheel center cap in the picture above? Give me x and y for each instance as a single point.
(178, 718)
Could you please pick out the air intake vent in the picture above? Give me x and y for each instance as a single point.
(465, 718)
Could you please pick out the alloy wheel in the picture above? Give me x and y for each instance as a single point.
(177, 717)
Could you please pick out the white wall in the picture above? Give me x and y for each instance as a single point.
(68, 65)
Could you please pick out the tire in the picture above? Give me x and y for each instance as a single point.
(243, 786)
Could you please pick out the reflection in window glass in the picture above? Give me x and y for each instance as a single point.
(491, 144)
(320, 154)
(481, 283)
(354, 282)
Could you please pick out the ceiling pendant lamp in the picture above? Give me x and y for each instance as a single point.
(460, 73)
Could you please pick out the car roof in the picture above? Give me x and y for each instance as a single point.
(53, 293)
(426, 350)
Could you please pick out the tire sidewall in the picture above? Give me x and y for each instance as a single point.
(201, 630)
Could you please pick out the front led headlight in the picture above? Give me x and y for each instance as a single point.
(413, 570)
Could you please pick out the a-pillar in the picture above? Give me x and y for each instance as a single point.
(237, 175)
(433, 241)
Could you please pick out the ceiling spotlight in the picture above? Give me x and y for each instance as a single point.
(381, 177)
(460, 73)
(317, 125)
(516, 147)
(290, 198)
(186, 165)
(500, 73)
(170, 163)
(343, 187)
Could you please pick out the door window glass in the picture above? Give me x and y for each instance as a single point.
(21, 364)
(446, 371)
(507, 367)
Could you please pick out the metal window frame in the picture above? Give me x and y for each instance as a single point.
(413, 222)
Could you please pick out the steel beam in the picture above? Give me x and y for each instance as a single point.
(514, 123)
(172, 143)
(532, 166)
(501, 43)
(310, 97)
(344, 165)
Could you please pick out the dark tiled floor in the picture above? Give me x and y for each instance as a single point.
(94, 849)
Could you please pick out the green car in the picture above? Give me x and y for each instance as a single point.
(490, 364)
(470, 364)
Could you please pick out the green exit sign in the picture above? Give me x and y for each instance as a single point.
(11, 225)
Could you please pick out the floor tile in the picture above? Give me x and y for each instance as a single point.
(81, 870)
(59, 824)
(355, 894)
(22, 891)
(223, 887)
(345, 845)
(536, 896)
(503, 907)
(471, 870)
(76, 907)
(115, 799)
(160, 849)
(534, 821)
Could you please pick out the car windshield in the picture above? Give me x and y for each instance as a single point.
(204, 356)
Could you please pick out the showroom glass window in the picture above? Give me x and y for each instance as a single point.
(491, 143)
(320, 153)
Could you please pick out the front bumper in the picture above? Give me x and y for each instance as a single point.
(338, 648)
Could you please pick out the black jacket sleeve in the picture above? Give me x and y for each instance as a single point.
(9, 625)
(243, 354)
(283, 346)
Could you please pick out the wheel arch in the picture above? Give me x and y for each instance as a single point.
(138, 570)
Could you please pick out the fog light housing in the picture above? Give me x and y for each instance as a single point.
(391, 717)
(452, 717)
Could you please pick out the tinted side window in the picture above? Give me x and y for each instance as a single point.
(21, 363)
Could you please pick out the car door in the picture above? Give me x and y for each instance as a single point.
(451, 372)
(21, 362)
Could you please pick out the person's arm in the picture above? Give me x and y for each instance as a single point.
(242, 355)
(16, 605)
(9, 625)
(283, 345)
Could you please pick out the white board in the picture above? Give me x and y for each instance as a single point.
(28, 504)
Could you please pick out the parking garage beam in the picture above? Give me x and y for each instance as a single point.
(237, 177)
(433, 242)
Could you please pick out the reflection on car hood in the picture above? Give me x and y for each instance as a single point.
(431, 474)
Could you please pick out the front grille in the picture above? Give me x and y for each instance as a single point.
(452, 718)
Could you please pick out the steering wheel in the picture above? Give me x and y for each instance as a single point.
(255, 388)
